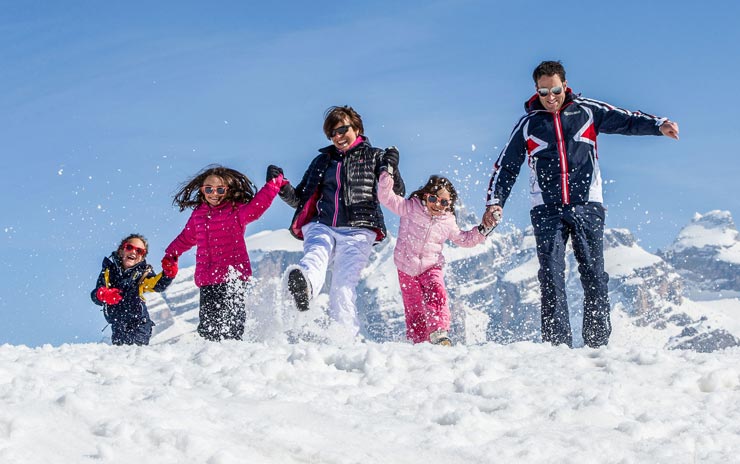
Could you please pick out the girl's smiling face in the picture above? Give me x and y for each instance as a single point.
(132, 252)
(439, 203)
(214, 190)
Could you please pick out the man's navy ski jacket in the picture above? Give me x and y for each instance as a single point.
(560, 149)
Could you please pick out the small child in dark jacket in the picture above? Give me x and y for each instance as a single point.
(120, 289)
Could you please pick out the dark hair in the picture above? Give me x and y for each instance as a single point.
(434, 185)
(549, 68)
(240, 188)
(129, 237)
(337, 114)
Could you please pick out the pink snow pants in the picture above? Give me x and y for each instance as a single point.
(425, 304)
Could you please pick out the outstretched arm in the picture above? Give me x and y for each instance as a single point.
(467, 238)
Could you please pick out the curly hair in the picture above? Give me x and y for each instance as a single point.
(434, 185)
(337, 114)
(549, 68)
(240, 190)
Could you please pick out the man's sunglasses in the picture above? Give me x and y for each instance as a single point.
(435, 199)
(129, 247)
(341, 130)
(543, 92)
(218, 190)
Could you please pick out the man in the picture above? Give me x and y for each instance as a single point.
(557, 137)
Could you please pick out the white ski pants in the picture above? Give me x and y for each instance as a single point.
(347, 249)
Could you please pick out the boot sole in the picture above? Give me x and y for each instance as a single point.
(298, 287)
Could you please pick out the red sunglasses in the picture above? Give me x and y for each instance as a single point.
(129, 247)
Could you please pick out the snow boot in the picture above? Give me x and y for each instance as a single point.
(298, 287)
(439, 337)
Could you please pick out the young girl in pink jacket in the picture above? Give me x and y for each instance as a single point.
(224, 202)
(427, 222)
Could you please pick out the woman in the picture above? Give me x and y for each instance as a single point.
(338, 215)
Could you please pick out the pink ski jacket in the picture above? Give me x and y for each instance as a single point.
(218, 234)
(421, 236)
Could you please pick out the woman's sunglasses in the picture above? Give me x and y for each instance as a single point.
(543, 92)
(129, 247)
(435, 199)
(341, 130)
(218, 190)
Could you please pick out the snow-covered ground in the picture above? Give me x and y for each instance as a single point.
(324, 400)
(236, 402)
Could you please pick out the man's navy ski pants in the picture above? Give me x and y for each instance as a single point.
(584, 223)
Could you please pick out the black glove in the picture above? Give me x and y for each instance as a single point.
(273, 171)
(390, 158)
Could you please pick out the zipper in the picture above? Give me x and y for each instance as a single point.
(559, 139)
(336, 194)
(426, 239)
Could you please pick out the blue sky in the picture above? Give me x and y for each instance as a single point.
(108, 107)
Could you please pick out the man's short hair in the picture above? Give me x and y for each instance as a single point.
(549, 68)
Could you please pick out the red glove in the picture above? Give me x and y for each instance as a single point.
(109, 296)
(169, 266)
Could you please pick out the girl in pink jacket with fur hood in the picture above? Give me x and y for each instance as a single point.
(224, 201)
(427, 222)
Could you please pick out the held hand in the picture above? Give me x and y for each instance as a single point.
(391, 157)
(109, 296)
(669, 129)
(272, 172)
(169, 266)
(492, 216)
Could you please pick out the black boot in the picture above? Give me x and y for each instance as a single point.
(298, 287)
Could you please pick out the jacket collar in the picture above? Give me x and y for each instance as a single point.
(115, 261)
(224, 205)
(332, 150)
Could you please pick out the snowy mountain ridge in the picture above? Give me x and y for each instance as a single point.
(685, 296)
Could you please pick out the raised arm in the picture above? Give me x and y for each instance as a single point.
(262, 200)
(292, 195)
(389, 163)
(389, 198)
